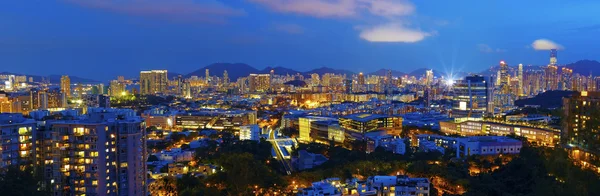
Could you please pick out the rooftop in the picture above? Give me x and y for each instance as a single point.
(364, 117)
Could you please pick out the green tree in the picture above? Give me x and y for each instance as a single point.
(14, 181)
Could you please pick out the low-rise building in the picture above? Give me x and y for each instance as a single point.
(391, 143)
(307, 160)
(330, 186)
(540, 136)
(396, 185)
(357, 125)
(487, 145)
(250, 132)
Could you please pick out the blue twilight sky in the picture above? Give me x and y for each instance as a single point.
(101, 39)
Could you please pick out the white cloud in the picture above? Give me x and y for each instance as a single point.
(393, 33)
(488, 49)
(340, 8)
(393, 13)
(544, 44)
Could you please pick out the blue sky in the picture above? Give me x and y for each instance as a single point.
(101, 39)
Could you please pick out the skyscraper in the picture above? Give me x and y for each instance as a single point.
(566, 79)
(207, 75)
(472, 97)
(429, 77)
(154, 81)
(225, 78)
(553, 56)
(551, 77)
(361, 79)
(503, 95)
(520, 76)
(65, 86)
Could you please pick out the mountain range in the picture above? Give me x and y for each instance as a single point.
(54, 78)
(237, 70)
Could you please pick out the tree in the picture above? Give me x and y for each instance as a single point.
(242, 172)
(14, 181)
(152, 158)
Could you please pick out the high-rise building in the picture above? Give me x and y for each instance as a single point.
(225, 78)
(16, 139)
(315, 79)
(361, 79)
(520, 77)
(566, 79)
(551, 77)
(429, 77)
(103, 154)
(207, 75)
(259, 82)
(472, 98)
(154, 81)
(117, 88)
(553, 56)
(581, 117)
(503, 96)
(65, 86)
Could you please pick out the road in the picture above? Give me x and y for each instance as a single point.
(287, 166)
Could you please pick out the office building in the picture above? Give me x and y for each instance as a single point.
(65, 86)
(306, 127)
(102, 154)
(153, 82)
(16, 139)
(472, 98)
(250, 132)
(538, 136)
(215, 119)
(520, 78)
(357, 125)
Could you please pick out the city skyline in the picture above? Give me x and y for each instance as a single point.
(183, 36)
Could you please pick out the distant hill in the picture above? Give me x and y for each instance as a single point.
(383, 72)
(585, 67)
(235, 70)
(324, 70)
(55, 79)
(548, 99)
(421, 72)
(280, 70)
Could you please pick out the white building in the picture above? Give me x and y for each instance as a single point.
(487, 145)
(250, 132)
(397, 185)
(330, 186)
(391, 143)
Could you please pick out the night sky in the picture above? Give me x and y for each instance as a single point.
(101, 39)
